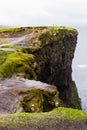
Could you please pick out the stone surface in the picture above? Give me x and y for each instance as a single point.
(18, 95)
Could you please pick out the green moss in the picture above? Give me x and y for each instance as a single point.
(40, 27)
(63, 29)
(4, 56)
(52, 34)
(70, 114)
(43, 119)
(75, 101)
(44, 38)
(37, 100)
(60, 32)
(33, 101)
(12, 30)
(17, 62)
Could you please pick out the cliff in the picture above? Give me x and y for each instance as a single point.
(44, 54)
(41, 53)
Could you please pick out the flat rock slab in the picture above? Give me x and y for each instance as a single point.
(19, 95)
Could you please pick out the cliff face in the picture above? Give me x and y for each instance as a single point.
(55, 65)
(50, 51)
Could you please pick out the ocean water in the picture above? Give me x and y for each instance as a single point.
(80, 66)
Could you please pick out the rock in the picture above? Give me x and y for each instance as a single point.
(22, 95)
(41, 53)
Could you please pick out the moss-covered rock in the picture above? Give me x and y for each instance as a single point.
(16, 63)
(22, 95)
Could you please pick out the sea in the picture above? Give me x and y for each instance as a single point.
(79, 66)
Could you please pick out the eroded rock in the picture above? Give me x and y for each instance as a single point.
(19, 94)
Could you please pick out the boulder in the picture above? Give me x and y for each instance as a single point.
(23, 95)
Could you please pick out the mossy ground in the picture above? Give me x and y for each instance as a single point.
(22, 119)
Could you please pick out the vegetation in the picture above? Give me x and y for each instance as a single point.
(12, 30)
(17, 62)
(3, 56)
(22, 119)
(74, 103)
(34, 97)
(42, 100)
(52, 34)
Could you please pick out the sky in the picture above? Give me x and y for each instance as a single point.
(43, 12)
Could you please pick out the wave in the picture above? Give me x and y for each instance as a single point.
(82, 66)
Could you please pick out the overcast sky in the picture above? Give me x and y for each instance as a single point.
(43, 12)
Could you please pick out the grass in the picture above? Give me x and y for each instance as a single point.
(12, 30)
(55, 33)
(63, 28)
(21, 119)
